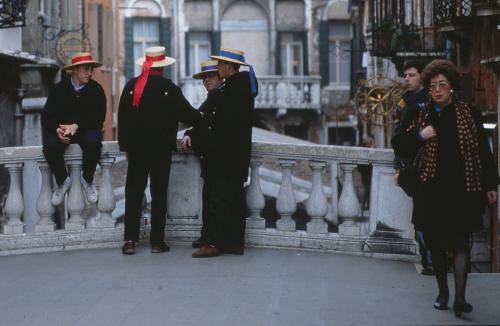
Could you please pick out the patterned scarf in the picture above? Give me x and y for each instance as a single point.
(468, 148)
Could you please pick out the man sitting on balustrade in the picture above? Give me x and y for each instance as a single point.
(74, 113)
(201, 137)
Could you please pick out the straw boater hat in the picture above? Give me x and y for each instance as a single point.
(206, 67)
(82, 58)
(157, 55)
(230, 55)
(236, 56)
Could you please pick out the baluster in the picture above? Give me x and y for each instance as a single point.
(286, 204)
(107, 201)
(255, 198)
(271, 93)
(333, 213)
(76, 202)
(43, 205)
(317, 205)
(349, 208)
(14, 206)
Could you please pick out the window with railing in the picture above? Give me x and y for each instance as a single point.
(340, 38)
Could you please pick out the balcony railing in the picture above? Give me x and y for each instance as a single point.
(275, 92)
(404, 30)
(336, 221)
(452, 12)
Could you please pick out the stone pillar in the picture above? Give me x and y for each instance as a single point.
(333, 211)
(43, 204)
(107, 201)
(286, 203)
(317, 205)
(76, 202)
(349, 207)
(255, 198)
(14, 205)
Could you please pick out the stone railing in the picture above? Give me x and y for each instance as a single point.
(275, 92)
(337, 222)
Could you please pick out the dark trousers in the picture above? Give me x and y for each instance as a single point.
(224, 209)
(142, 163)
(89, 141)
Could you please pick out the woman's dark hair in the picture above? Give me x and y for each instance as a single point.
(444, 67)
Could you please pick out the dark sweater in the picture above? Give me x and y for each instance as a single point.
(153, 125)
(86, 108)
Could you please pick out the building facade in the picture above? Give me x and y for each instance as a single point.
(287, 41)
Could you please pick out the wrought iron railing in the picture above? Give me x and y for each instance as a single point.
(450, 11)
(12, 13)
(399, 28)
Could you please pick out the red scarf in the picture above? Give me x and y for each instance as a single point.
(143, 78)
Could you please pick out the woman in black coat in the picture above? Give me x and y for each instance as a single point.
(457, 177)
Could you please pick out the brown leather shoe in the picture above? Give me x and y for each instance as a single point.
(232, 250)
(159, 247)
(128, 248)
(206, 251)
(198, 243)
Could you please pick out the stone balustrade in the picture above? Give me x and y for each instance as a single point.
(275, 92)
(336, 221)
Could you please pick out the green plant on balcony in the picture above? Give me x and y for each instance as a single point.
(387, 33)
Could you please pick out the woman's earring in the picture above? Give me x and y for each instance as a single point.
(452, 91)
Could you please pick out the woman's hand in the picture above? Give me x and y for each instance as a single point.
(428, 133)
(492, 196)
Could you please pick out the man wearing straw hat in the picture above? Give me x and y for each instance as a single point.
(74, 113)
(150, 108)
(201, 138)
(228, 159)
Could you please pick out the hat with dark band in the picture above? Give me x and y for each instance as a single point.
(237, 56)
(206, 67)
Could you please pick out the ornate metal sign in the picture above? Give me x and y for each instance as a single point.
(12, 13)
(67, 42)
(377, 98)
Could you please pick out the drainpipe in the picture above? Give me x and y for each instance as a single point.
(113, 64)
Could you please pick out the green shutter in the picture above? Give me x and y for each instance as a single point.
(165, 35)
(129, 48)
(305, 52)
(186, 46)
(323, 52)
(278, 54)
(215, 42)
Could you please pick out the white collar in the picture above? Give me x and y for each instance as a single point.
(76, 88)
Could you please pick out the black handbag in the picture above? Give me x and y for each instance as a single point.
(409, 174)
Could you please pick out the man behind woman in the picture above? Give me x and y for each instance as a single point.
(456, 179)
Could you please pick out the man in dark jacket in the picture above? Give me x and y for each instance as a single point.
(74, 113)
(150, 108)
(201, 138)
(414, 100)
(228, 160)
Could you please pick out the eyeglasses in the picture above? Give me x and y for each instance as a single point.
(440, 85)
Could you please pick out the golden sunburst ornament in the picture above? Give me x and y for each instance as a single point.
(376, 99)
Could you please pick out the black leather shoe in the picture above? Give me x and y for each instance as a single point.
(460, 307)
(128, 248)
(198, 243)
(441, 303)
(159, 247)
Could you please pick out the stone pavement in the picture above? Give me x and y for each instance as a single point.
(263, 287)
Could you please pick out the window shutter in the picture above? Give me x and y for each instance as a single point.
(305, 52)
(165, 41)
(129, 47)
(186, 44)
(278, 54)
(323, 52)
(215, 42)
